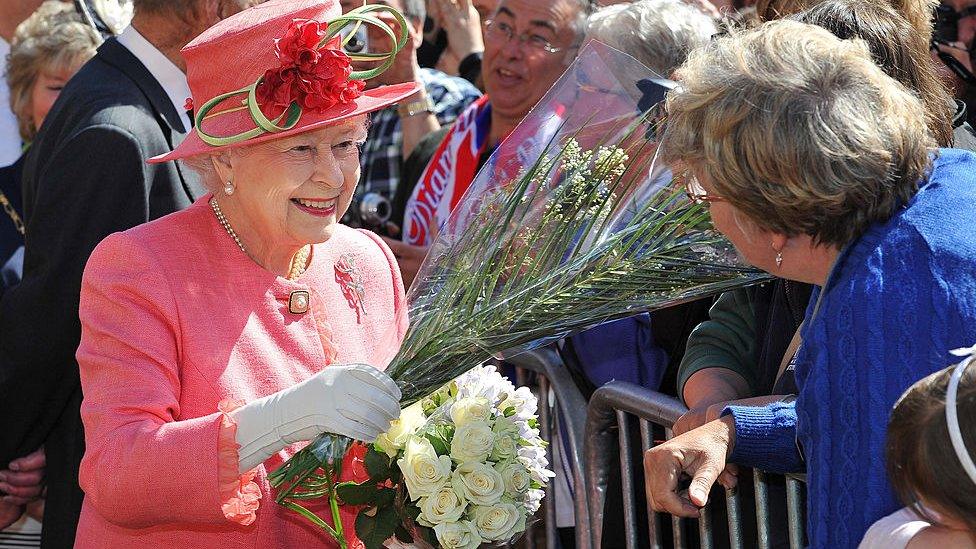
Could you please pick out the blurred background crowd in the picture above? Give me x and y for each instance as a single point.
(69, 178)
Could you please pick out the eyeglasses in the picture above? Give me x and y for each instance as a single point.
(499, 30)
(697, 193)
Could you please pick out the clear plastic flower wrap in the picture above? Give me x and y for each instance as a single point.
(571, 223)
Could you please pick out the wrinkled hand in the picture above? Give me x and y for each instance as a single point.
(409, 257)
(23, 482)
(9, 514)
(461, 22)
(701, 454)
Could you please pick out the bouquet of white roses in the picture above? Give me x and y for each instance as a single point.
(460, 468)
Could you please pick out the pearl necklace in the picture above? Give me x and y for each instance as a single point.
(299, 263)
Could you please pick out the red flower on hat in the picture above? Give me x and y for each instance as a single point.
(317, 79)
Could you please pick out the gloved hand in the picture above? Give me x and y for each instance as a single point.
(354, 400)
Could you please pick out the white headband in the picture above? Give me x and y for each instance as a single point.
(952, 418)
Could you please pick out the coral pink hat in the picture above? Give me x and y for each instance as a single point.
(278, 69)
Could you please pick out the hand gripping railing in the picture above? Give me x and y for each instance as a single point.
(608, 418)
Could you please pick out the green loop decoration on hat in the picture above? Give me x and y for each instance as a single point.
(293, 113)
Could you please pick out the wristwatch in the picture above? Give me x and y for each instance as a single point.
(418, 106)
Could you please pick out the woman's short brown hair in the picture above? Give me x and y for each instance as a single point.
(922, 464)
(53, 38)
(895, 47)
(799, 130)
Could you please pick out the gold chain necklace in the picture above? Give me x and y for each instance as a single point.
(299, 263)
(9, 208)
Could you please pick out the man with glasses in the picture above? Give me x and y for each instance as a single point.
(528, 45)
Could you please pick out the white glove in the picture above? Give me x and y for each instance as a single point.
(354, 400)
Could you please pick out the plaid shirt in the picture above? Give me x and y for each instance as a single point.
(382, 155)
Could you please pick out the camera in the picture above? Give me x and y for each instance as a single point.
(357, 42)
(369, 211)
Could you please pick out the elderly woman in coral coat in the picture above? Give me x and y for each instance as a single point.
(216, 338)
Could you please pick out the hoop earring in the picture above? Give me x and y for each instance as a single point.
(229, 188)
(779, 259)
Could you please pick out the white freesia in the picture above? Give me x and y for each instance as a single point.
(472, 442)
(458, 535)
(479, 483)
(470, 409)
(411, 419)
(534, 459)
(445, 505)
(533, 500)
(516, 478)
(525, 403)
(423, 470)
(495, 522)
(483, 381)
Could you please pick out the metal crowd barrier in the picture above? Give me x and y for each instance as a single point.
(552, 377)
(608, 426)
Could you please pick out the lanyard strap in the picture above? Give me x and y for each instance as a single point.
(9, 208)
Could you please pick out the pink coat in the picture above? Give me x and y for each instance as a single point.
(178, 324)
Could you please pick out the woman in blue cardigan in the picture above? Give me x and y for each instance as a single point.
(820, 169)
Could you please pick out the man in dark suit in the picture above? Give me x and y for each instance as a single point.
(85, 177)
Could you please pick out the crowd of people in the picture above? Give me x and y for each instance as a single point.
(203, 199)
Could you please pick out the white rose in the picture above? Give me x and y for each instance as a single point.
(478, 483)
(467, 410)
(504, 449)
(516, 478)
(495, 522)
(410, 421)
(472, 442)
(423, 470)
(457, 535)
(445, 505)
(519, 526)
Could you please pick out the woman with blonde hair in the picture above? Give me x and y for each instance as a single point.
(820, 168)
(47, 50)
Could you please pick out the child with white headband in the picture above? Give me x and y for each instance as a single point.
(930, 457)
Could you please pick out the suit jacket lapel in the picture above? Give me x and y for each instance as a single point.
(120, 57)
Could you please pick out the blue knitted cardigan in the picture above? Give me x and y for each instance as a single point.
(897, 300)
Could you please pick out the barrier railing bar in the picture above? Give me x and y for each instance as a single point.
(545, 418)
(522, 380)
(653, 519)
(600, 418)
(732, 505)
(762, 508)
(793, 512)
(627, 480)
(547, 362)
(677, 523)
(705, 528)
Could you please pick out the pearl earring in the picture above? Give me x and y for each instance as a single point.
(229, 188)
(779, 259)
